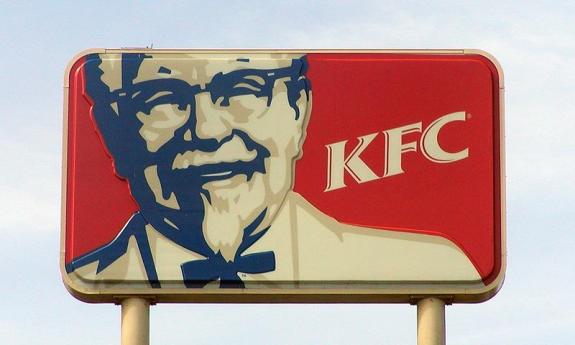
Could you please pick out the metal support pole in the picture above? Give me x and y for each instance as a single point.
(135, 321)
(430, 321)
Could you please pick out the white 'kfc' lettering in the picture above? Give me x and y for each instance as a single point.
(338, 163)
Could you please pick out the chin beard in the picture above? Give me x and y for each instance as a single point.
(229, 211)
(222, 230)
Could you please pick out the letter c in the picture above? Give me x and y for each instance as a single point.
(430, 145)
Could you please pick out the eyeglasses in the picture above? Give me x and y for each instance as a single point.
(144, 96)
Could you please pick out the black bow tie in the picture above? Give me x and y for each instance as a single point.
(198, 273)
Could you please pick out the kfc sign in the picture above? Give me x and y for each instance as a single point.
(233, 176)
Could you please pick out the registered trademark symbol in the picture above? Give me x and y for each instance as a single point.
(468, 116)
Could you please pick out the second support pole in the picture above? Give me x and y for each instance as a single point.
(431, 321)
(135, 321)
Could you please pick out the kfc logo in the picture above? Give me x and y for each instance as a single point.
(339, 164)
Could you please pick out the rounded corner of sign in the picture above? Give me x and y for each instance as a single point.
(491, 60)
(76, 290)
(495, 285)
(83, 54)
(79, 289)
(482, 293)
(74, 60)
(88, 294)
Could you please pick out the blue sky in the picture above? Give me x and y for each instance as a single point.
(533, 41)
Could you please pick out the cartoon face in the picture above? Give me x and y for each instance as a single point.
(206, 142)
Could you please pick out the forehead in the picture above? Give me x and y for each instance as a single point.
(195, 68)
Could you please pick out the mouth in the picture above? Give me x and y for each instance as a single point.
(220, 171)
(224, 174)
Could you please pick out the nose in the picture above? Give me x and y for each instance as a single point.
(211, 121)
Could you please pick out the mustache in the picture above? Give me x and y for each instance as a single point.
(185, 166)
(230, 151)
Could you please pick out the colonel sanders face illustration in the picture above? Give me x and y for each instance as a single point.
(207, 144)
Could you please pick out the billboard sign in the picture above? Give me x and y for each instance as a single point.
(283, 176)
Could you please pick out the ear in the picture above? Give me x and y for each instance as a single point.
(304, 105)
(104, 113)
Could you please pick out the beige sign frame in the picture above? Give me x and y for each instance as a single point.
(321, 293)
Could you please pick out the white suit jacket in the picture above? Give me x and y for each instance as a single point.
(309, 247)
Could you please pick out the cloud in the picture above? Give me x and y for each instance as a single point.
(30, 183)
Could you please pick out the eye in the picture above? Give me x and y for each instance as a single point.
(152, 93)
(247, 86)
(239, 83)
(247, 83)
(146, 103)
(252, 82)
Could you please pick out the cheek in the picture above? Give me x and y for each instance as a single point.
(247, 108)
(159, 126)
(279, 175)
(274, 127)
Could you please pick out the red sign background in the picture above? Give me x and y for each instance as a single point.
(353, 95)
